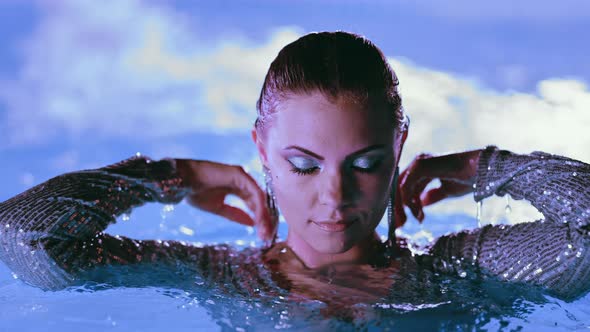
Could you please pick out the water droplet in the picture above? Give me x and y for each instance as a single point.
(284, 250)
(138, 154)
(14, 275)
(558, 258)
(185, 230)
(167, 211)
(575, 174)
(579, 254)
(507, 209)
(125, 217)
(7, 226)
(462, 274)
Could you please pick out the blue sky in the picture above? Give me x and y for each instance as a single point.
(87, 83)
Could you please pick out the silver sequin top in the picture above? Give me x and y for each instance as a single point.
(52, 234)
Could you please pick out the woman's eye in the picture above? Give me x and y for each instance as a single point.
(303, 166)
(366, 164)
(305, 171)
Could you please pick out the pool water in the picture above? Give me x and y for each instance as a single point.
(153, 298)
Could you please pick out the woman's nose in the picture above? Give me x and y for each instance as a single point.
(336, 191)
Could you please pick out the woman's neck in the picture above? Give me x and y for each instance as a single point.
(362, 253)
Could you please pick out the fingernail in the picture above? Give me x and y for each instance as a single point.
(414, 210)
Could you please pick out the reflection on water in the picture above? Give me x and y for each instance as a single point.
(259, 293)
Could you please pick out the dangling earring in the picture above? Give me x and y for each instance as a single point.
(271, 202)
(391, 215)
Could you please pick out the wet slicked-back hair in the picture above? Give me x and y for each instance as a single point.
(337, 64)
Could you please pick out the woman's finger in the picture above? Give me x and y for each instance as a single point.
(248, 190)
(412, 197)
(416, 209)
(400, 214)
(434, 195)
(213, 201)
(211, 182)
(235, 214)
(446, 189)
(209, 200)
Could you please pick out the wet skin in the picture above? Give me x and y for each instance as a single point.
(332, 165)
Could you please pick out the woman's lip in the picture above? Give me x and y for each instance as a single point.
(334, 226)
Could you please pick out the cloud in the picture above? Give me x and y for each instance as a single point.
(27, 179)
(125, 69)
(66, 161)
(128, 69)
(565, 10)
(450, 113)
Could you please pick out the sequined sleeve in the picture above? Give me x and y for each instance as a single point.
(54, 231)
(553, 252)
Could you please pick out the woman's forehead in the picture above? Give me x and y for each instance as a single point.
(316, 121)
(319, 101)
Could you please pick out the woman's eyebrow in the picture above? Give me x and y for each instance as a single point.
(317, 156)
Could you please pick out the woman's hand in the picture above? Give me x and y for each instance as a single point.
(456, 173)
(211, 182)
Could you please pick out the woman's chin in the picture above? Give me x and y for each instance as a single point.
(324, 242)
(332, 246)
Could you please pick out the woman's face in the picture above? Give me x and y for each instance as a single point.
(332, 166)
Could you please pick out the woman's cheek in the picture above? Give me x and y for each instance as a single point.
(289, 193)
(374, 188)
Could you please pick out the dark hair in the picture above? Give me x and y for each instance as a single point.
(337, 64)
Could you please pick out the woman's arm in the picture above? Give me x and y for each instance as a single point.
(552, 252)
(54, 231)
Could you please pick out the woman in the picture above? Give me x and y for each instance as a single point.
(330, 132)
